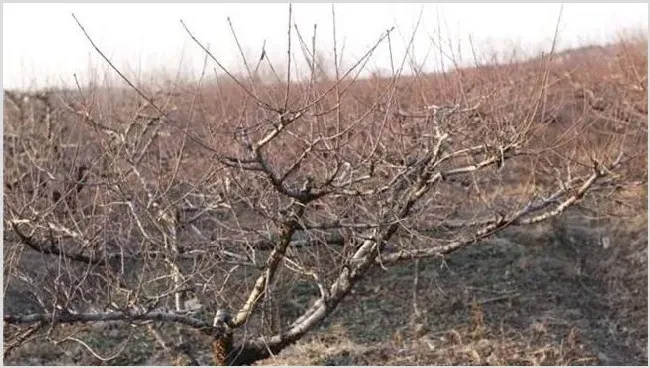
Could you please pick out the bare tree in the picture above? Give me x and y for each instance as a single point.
(246, 190)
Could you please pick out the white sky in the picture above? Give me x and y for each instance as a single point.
(43, 46)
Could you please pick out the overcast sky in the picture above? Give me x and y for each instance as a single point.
(43, 46)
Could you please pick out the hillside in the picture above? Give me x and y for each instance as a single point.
(572, 290)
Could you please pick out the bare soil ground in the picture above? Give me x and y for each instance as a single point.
(551, 295)
(569, 292)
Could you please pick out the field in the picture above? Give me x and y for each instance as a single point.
(570, 290)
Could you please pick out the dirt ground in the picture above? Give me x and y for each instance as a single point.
(548, 295)
(565, 292)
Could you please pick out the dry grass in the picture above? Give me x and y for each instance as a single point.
(469, 345)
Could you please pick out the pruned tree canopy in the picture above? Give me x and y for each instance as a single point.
(207, 206)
